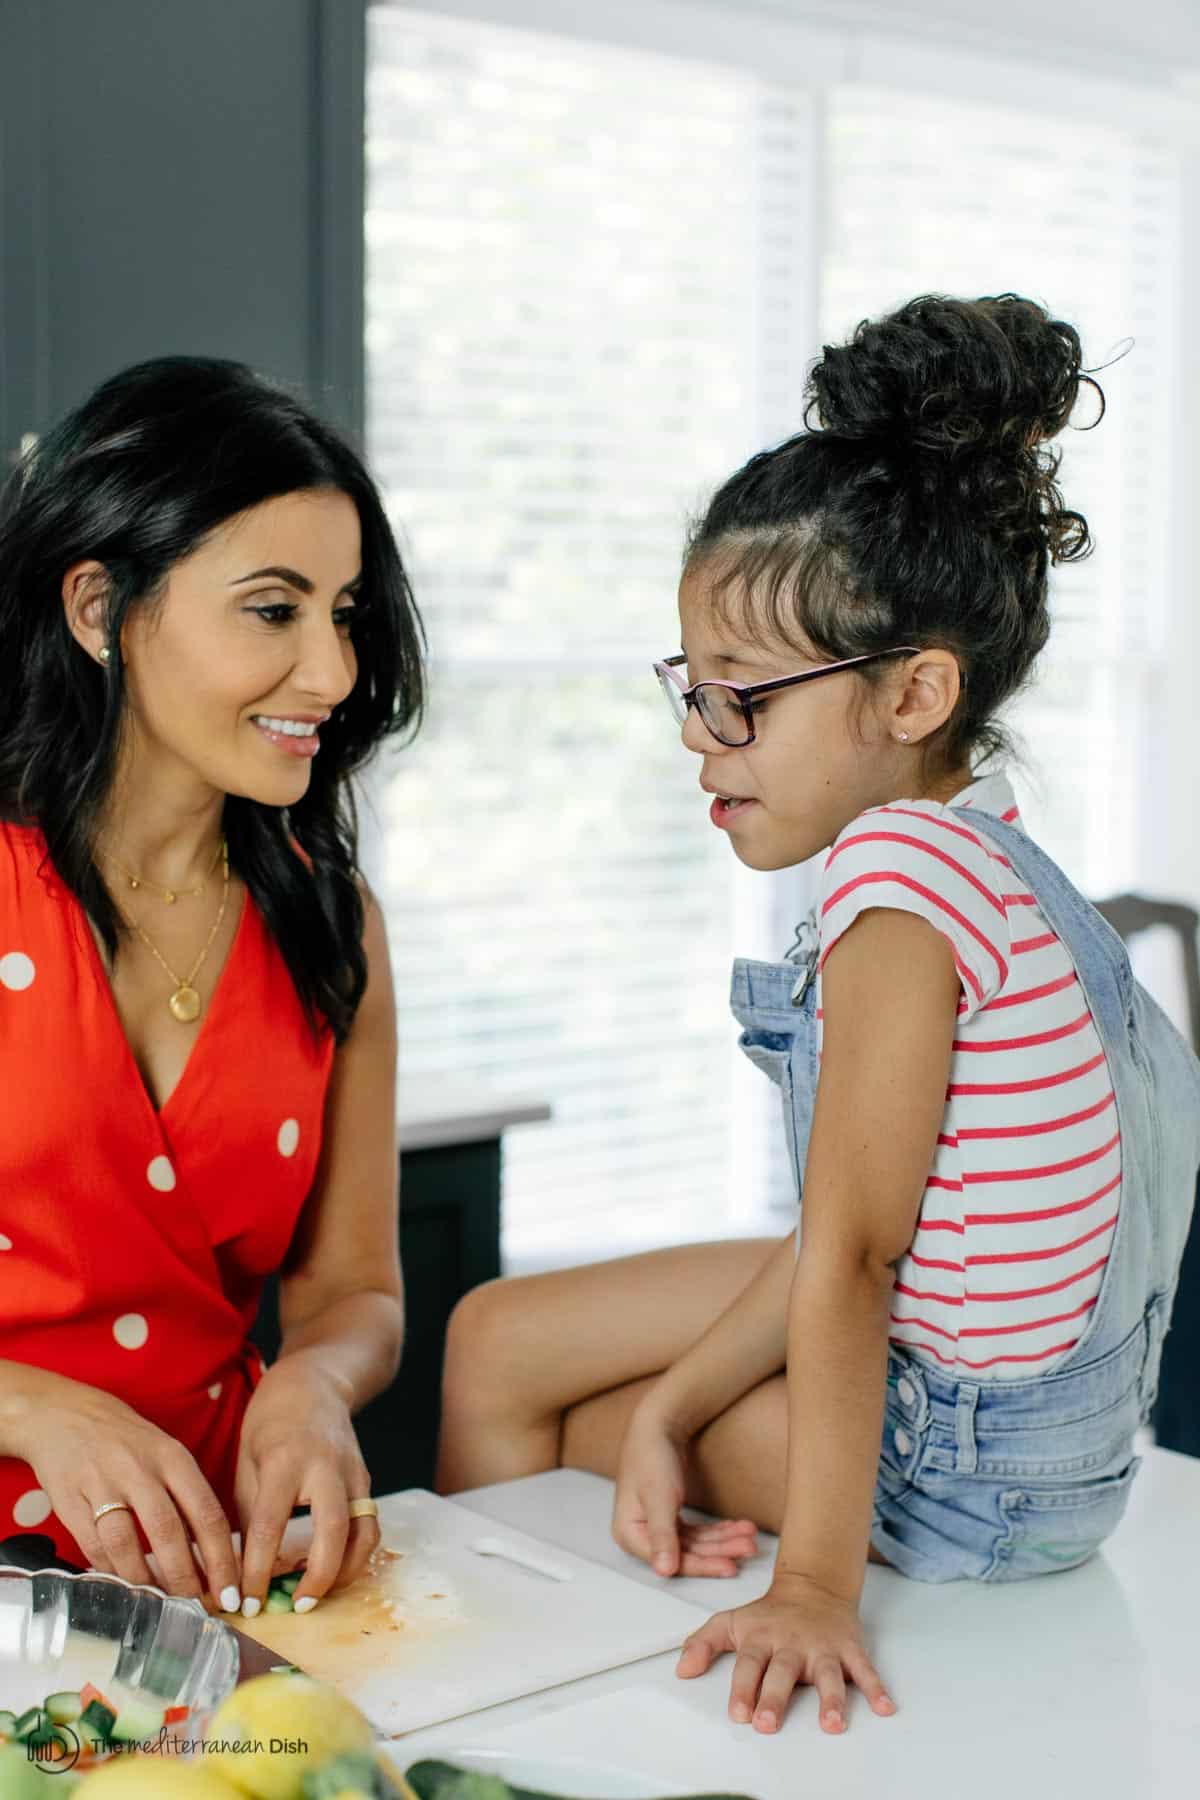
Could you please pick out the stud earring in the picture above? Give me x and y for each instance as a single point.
(104, 653)
(903, 736)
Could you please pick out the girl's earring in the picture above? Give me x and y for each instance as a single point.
(903, 736)
(104, 653)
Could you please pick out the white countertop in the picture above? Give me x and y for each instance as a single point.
(1080, 1686)
(430, 1116)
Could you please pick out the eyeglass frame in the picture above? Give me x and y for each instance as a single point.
(745, 692)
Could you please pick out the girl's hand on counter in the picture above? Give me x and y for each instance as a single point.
(651, 1481)
(298, 1448)
(798, 1634)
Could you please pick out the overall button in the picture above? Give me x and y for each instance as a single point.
(906, 1391)
(902, 1441)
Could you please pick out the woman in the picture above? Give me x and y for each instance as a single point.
(205, 628)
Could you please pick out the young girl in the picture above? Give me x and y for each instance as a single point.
(995, 1131)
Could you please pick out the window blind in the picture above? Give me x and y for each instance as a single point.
(928, 194)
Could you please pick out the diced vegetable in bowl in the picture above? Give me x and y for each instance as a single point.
(90, 1664)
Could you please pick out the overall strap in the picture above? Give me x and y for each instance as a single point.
(1105, 977)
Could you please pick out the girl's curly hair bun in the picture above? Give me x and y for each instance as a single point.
(969, 391)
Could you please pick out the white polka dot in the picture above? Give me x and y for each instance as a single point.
(16, 971)
(161, 1175)
(214, 1392)
(289, 1137)
(33, 1508)
(5, 1242)
(131, 1331)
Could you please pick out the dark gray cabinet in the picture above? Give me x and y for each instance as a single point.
(179, 178)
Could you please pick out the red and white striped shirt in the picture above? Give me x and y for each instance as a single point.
(1021, 1203)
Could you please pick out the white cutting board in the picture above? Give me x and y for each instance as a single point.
(474, 1630)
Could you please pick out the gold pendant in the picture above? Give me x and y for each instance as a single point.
(185, 1004)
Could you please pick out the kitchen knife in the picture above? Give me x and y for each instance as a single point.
(33, 1550)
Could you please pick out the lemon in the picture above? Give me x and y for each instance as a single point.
(288, 1725)
(140, 1777)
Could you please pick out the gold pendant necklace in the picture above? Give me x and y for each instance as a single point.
(184, 1003)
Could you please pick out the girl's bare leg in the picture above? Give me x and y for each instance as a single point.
(522, 1353)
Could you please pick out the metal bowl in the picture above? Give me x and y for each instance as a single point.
(58, 1631)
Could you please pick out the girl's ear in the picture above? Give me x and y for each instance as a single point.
(85, 594)
(932, 685)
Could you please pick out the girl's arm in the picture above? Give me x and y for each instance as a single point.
(890, 992)
(745, 1345)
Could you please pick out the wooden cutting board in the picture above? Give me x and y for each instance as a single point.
(435, 1629)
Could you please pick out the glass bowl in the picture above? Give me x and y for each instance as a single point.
(58, 1631)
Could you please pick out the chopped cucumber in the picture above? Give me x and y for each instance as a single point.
(97, 1721)
(289, 1583)
(138, 1721)
(64, 1708)
(278, 1602)
(32, 1724)
(8, 1724)
(23, 1779)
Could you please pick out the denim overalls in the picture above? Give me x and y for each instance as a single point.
(995, 1480)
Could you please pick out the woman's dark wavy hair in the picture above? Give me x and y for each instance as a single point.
(136, 478)
(920, 505)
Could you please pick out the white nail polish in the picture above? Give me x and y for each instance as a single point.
(231, 1599)
(305, 1604)
(251, 1608)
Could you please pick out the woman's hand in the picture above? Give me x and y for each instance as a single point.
(88, 1448)
(298, 1448)
(651, 1480)
(798, 1633)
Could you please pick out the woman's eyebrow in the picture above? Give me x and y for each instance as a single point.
(294, 579)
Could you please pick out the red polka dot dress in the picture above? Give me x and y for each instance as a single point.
(134, 1243)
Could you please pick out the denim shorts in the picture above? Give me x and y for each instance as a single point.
(1000, 1481)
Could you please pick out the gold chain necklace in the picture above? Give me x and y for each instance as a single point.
(170, 895)
(184, 1003)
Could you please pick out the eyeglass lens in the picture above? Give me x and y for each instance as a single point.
(718, 708)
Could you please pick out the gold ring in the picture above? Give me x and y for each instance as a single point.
(110, 1506)
(363, 1509)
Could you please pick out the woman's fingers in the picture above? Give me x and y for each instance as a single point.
(261, 1537)
(170, 1543)
(112, 1544)
(329, 1508)
(365, 1537)
(213, 1535)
